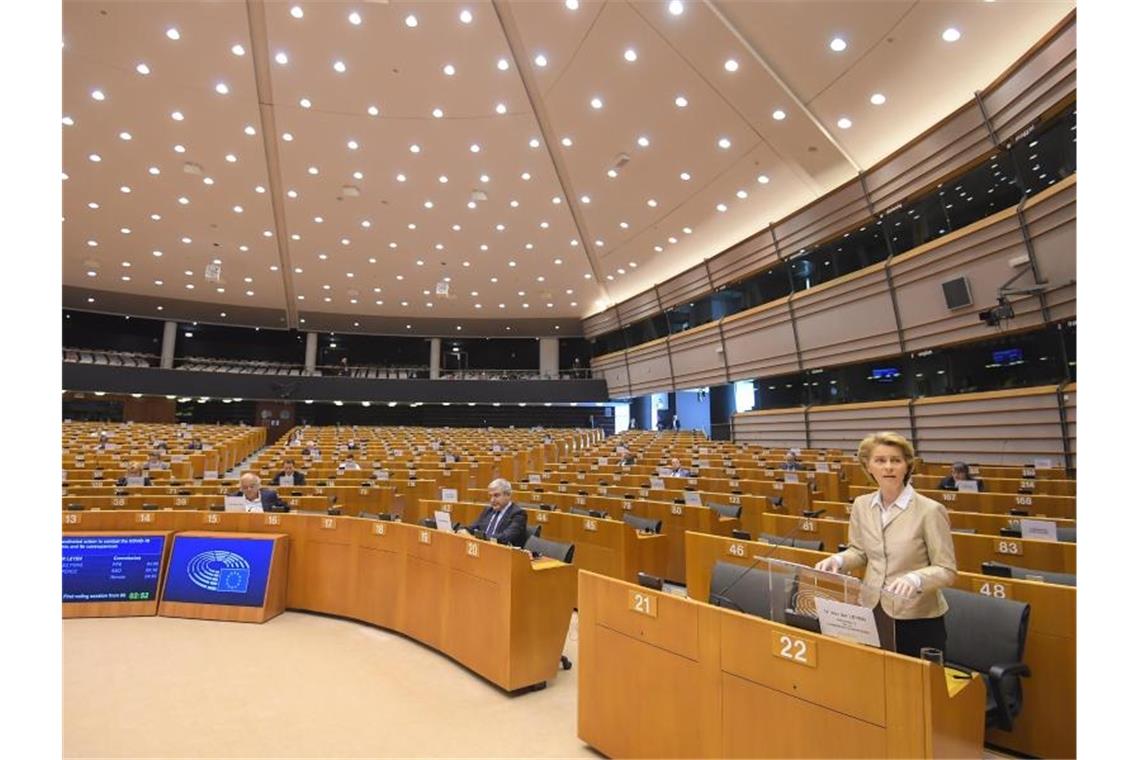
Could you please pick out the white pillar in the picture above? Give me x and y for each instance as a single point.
(310, 353)
(436, 347)
(548, 357)
(169, 335)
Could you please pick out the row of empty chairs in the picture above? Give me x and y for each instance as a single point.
(111, 358)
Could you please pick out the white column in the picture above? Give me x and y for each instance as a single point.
(436, 347)
(169, 335)
(310, 353)
(548, 357)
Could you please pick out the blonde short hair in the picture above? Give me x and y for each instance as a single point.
(886, 438)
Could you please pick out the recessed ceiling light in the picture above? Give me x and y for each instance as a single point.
(281, 57)
(556, 200)
(237, 50)
(428, 204)
(596, 103)
(763, 179)
(207, 181)
(401, 178)
(611, 173)
(630, 55)
(951, 35)
(624, 225)
(676, 7)
(465, 16)
(231, 158)
(222, 88)
(585, 199)
(838, 44)
(572, 4)
(124, 135)
(779, 115)
(143, 69)
(177, 115)
(534, 142)
(724, 143)
(339, 67)
(314, 170)
(249, 130)
(287, 136)
(567, 142)
(296, 12)
(643, 141)
(681, 101)
(179, 149)
(437, 113)
(844, 123)
(95, 157)
(685, 176)
(414, 148)
(731, 65)
(373, 111)
(173, 34)
(741, 194)
(124, 189)
(68, 121)
(503, 64)
(484, 178)
(411, 21)
(651, 203)
(474, 148)
(156, 217)
(306, 103)
(721, 207)
(878, 99)
(125, 230)
(449, 70)
(354, 18)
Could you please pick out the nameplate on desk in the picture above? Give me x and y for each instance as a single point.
(602, 490)
(627, 506)
(1006, 546)
(996, 589)
(692, 499)
(658, 483)
(542, 517)
(949, 496)
(579, 499)
(425, 536)
(380, 475)
(181, 501)
(643, 603)
(591, 525)
(210, 475)
(364, 491)
(534, 478)
(118, 501)
(379, 529)
(794, 649)
(1040, 530)
(271, 520)
(581, 476)
(643, 492)
(472, 549)
(677, 509)
(1028, 485)
(561, 488)
(444, 507)
(846, 621)
(449, 494)
(328, 523)
(211, 519)
(967, 486)
(791, 477)
(822, 467)
(144, 517)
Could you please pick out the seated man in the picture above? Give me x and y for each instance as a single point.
(625, 456)
(134, 476)
(349, 464)
(258, 499)
(195, 444)
(677, 470)
(958, 471)
(154, 462)
(289, 476)
(159, 444)
(503, 520)
(351, 446)
(790, 462)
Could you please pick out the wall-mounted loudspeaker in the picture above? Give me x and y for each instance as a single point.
(957, 293)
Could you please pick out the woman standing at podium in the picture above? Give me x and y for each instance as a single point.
(903, 541)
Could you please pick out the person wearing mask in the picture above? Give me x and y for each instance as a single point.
(289, 475)
(503, 520)
(902, 541)
(958, 471)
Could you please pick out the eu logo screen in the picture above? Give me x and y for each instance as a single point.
(216, 570)
(111, 568)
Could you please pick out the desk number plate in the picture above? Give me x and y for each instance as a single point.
(272, 519)
(1006, 546)
(996, 589)
(425, 536)
(378, 529)
(472, 549)
(211, 519)
(328, 523)
(793, 648)
(644, 603)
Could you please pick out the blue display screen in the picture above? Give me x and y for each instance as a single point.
(1008, 356)
(111, 568)
(885, 374)
(217, 570)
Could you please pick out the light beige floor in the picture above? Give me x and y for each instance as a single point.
(300, 685)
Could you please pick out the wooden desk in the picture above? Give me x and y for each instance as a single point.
(1047, 725)
(663, 676)
(486, 606)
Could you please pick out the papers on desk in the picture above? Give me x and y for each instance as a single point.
(239, 504)
(791, 477)
(657, 483)
(822, 467)
(380, 475)
(443, 520)
(1039, 530)
(285, 480)
(692, 499)
(210, 475)
(136, 481)
(968, 486)
(449, 494)
(534, 478)
(846, 621)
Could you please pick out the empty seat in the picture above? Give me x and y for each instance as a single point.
(1002, 570)
(726, 510)
(799, 543)
(546, 548)
(754, 591)
(642, 523)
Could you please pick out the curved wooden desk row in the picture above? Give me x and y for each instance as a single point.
(350, 500)
(664, 676)
(995, 503)
(486, 606)
(794, 495)
(1048, 721)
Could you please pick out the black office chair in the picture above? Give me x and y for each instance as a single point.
(74, 508)
(986, 635)
(743, 535)
(428, 522)
(1002, 570)
(579, 511)
(532, 531)
(333, 511)
(726, 510)
(752, 591)
(799, 543)
(548, 507)
(543, 547)
(599, 514)
(643, 524)
(650, 581)
(150, 507)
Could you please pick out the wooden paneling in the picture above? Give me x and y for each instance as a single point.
(760, 342)
(847, 320)
(777, 427)
(1052, 221)
(843, 426)
(697, 357)
(649, 369)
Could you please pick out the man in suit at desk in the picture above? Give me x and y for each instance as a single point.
(258, 499)
(195, 444)
(677, 470)
(503, 520)
(289, 475)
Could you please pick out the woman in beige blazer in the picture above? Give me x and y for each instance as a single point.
(902, 540)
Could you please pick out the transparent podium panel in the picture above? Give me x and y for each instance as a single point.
(833, 604)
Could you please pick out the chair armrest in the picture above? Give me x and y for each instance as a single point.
(1002, 669)
(994, 678)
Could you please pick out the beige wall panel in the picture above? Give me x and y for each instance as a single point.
(1008, 430)
(600, 323)
(760, 343)
(649, 368)
(1052, 224)
(846, 322)
(843, 426)
(756, 253)
(638, 308)
(779, 428)
(830, 215)
(697, 360)
(1070, 401)
(612, 368)
(1046, 78)
(687, 286)
(982, 255)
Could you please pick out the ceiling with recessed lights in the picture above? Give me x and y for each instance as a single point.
(506, 160)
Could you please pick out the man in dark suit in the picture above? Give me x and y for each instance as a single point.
(503, 520)
(259, 499)
(298, 477)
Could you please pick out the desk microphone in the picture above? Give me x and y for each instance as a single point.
(722, 600)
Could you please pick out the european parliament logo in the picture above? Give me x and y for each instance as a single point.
(219, 570)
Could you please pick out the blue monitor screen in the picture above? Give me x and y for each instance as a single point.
(218, 570)
(1008, 356)
(884, 374)
(111, 568)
